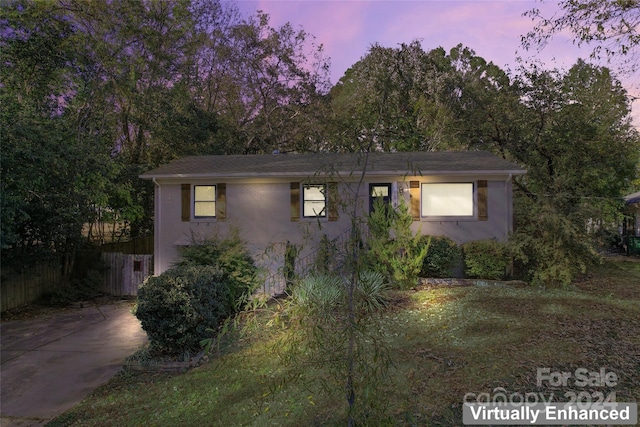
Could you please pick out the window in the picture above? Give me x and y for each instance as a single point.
(447, 199)
(379, 192)
(204, 201)
(314, 201)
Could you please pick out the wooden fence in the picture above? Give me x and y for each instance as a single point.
(125, 272)
(21, 288)
(138, 246)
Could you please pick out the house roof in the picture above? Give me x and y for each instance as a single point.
(296, 165)
(632, 198)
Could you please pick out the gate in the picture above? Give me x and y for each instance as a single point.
(125, 272)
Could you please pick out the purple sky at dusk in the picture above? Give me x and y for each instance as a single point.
(492, 29)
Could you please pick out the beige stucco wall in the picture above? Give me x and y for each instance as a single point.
(260, 211)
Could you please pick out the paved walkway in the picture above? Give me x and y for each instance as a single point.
(49, 365)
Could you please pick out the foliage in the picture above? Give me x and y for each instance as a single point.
(291, 252)
(393, 249)
(178, 307)
(610, 26)
(326, 252)
(77, 290)
(572, 132)
(443, 256)
(228, 255)
(395, 99)
(96, 93)
(486, 259)
(552, 249)
(55, 151)
(186, 304)
(325, 324)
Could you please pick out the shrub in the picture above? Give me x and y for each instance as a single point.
(551, 247)
(230, 256)
(485, 259)
(443, 256)
(180, 308)
(398, 258)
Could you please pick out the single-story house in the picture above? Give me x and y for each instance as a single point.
(298, 198)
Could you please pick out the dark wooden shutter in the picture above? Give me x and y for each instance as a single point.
(295, 201)
(414, 200)
(186, 202)
(332, 200)
(221, 202)
(483, 209)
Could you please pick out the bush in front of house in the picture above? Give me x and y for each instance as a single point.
(178, 307)
(486, 259)
(443, 256)
(394, 250)
(191, 300)
(230, 255)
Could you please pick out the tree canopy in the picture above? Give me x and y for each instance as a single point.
(95, 93)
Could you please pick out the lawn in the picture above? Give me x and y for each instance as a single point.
(445, 343)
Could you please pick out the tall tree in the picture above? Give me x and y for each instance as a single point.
(263, 85)
(576, 140)
(55, 161)
(612, 27)
(397, 99)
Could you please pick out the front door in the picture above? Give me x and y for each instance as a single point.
(381, 192)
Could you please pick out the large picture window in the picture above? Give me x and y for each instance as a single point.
(447, 199)
(204, 201)
(314, 200)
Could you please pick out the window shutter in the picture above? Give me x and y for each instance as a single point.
(332, 201)
(221, 202)
(186, 202)
(295, 201)
(414, 200)
(483, 209)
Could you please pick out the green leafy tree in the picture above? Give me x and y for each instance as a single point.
(396, 99)
(266, 84)
(575, 138)
(55, 165)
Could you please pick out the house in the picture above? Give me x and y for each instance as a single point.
(298, 198)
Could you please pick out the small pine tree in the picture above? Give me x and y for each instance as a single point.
(394, 250)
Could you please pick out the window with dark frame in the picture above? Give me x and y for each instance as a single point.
(314, 201)
(381, 193)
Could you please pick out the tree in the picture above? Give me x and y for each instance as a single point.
(265, 85)
(611, 26)
(395, 99)
(55, 162)
(581, 152)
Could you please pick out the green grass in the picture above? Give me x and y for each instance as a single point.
(444, 342)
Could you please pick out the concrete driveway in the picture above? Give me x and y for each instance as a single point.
(49, 365)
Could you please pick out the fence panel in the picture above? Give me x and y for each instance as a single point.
(139, 246)
(25, 287)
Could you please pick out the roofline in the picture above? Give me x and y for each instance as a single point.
(337, 173)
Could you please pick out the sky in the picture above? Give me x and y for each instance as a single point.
(493, 29)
